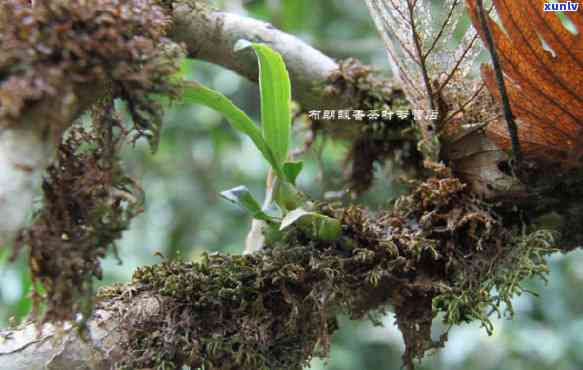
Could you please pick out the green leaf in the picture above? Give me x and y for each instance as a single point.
(292, 170)
(198, 93)
(275, 88)
(315, 225)
(242, 197)
(294, 216)
(184, 70)
(287, 196)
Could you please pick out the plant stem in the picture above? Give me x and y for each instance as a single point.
(512, 128)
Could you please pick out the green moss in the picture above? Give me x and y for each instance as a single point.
(440, 251)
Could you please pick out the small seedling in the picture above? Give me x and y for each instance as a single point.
(273, 142)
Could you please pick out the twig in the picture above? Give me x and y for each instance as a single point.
(419, 50)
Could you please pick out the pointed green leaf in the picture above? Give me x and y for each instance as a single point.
(198, 93)
(275, 88)
(315, 225)
(242, 197)
(294, 216)
(292, 170)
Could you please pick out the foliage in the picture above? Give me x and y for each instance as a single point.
(275, 90)
(196, 93)
(272, 141)
(275, 136)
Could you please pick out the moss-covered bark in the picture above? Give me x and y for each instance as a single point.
(439, 251)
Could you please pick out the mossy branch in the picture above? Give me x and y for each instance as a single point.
(439, 251)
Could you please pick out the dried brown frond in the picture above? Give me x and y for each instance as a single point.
(542, 60)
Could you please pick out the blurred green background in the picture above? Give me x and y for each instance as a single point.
(200, 156)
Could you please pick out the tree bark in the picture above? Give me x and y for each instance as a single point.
(51, 347)
(24, 154)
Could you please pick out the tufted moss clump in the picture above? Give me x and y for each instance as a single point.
(370, 91)
(87, 203)
(57, 60)
(439, 251)
(64, 53)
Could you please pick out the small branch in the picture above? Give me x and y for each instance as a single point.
(419, 50)
(442, 29)
(63, 347)
(24, 155)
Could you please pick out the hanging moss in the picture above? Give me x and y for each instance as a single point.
(88, 202)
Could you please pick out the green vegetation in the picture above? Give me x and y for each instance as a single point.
(273, 141)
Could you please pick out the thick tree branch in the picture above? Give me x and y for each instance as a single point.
(26, 149)
(51, 347)
(277, 308)
(210, 35)
(54, 348)
(24, 155)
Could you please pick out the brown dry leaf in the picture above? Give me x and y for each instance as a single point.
(542, 60)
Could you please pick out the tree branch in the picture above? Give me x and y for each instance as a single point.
(24, 154)
(31, 347)
(277, 308)
(210, 35)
